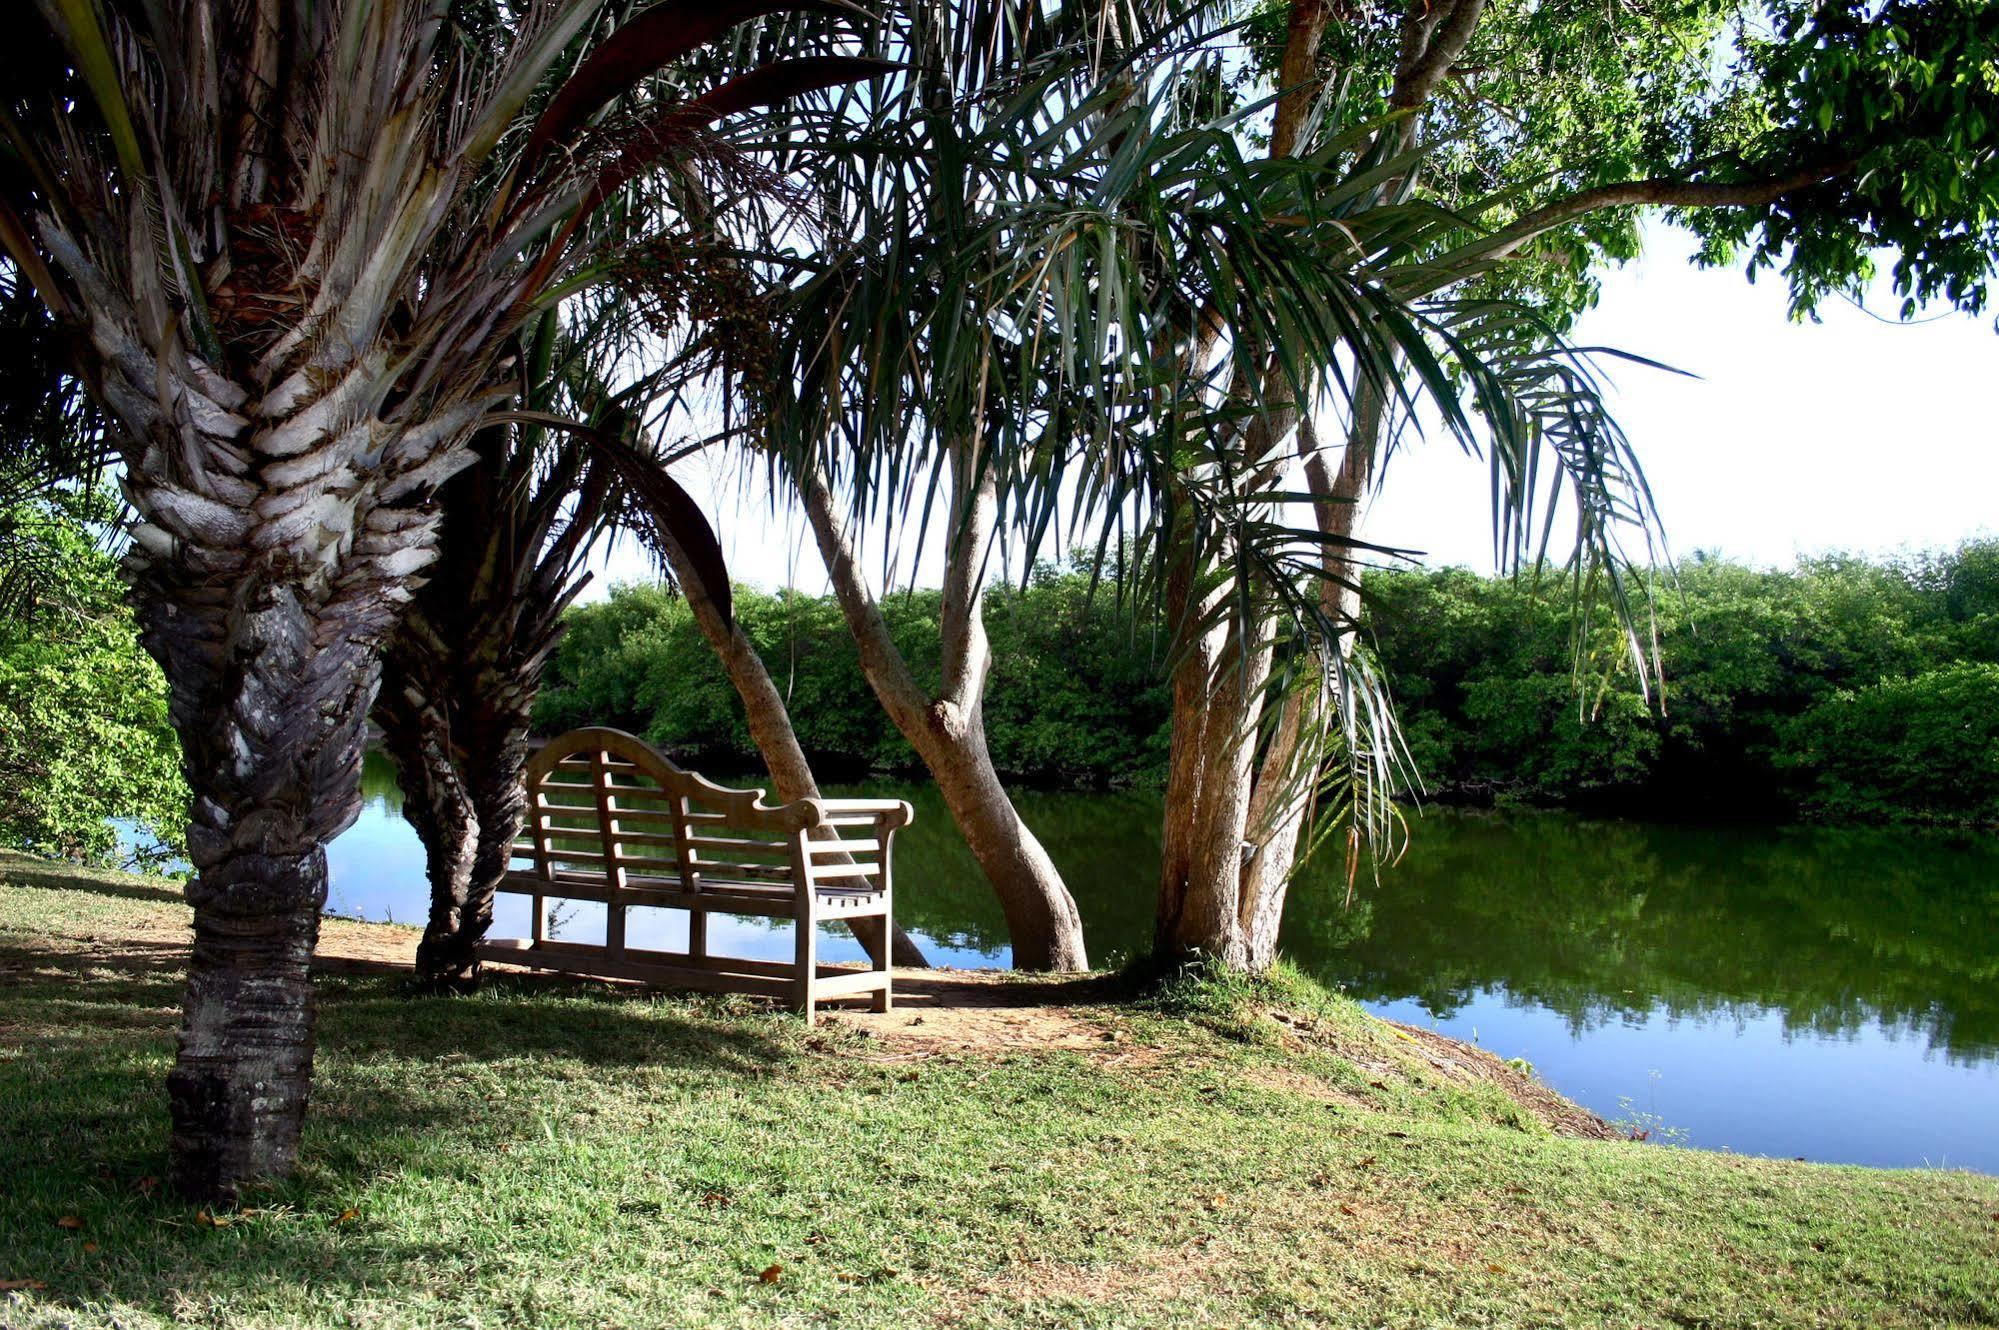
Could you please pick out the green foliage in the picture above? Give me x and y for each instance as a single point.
(1784, 692)
(1077, 696)
(83, 710)
(1485, 676)
(1927, 746)
(1908, 92)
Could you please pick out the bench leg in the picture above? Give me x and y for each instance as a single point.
(807, 960)
(884, 1000)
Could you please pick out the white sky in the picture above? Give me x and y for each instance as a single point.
(1851, 434)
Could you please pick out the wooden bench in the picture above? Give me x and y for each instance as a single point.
(612, 820)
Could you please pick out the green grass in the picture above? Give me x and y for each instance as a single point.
(573, 1157)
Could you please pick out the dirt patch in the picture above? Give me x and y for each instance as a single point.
(1463, 1061)
(366, 948)
(1166, 1276)
(960, 1011)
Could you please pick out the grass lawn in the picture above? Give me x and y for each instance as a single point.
(572, 1156)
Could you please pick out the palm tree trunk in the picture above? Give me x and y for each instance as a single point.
(416, 732)
(1288, 775)
(1220, 682)
(272, 684)
(496, 767)
(949, 732)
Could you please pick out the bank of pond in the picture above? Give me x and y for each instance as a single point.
(1795, 992)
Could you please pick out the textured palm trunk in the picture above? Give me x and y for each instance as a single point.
(416, 732)
(272, 683)
(460, 746)
(949, 732)
(1217, 698)
(498, 778)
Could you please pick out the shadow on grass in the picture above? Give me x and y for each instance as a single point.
(21, 870)
(415, 1095)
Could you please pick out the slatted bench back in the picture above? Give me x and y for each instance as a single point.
(612, 820)
(608, 812)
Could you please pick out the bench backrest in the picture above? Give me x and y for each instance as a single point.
(605, 806)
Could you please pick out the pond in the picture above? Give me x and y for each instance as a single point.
(1794, 992)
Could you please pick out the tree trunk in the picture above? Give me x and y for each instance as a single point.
(1234, 824)
(1220, 681)
(272, 684)
(496, 766)
(949, 732)
(416, 731)
(458, 733)
(1287, 778)
(770, 725)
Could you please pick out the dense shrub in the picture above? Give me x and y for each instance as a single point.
(83, 710)
(1925, 747)
(1485, 671)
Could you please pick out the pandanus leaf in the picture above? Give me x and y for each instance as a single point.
(675, 513)
(641, 48)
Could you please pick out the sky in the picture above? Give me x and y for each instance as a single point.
(1857, 433)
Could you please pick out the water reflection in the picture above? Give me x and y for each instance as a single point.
(1827, 993)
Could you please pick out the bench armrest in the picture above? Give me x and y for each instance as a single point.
(890, 813)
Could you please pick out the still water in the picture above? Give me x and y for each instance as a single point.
(1793, 992)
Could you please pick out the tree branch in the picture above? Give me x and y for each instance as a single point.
(1660, 192)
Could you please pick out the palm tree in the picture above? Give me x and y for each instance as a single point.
(461, 672)
(294, 241)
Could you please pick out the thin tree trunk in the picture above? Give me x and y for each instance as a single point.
(503, 712)
(1234, 824)
(948, 732)
(770, 726)
(1220, 681)
(1287, 778)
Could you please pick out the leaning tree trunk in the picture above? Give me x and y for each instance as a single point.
(949, 732)
(770, 725)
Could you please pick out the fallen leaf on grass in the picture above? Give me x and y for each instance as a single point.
(347, 1216)
(771, 1274)
(10, 1285)
(1346, 1209)
(69, 1221)
(90, 1249)
(213, 1221)
(1496, 1269)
